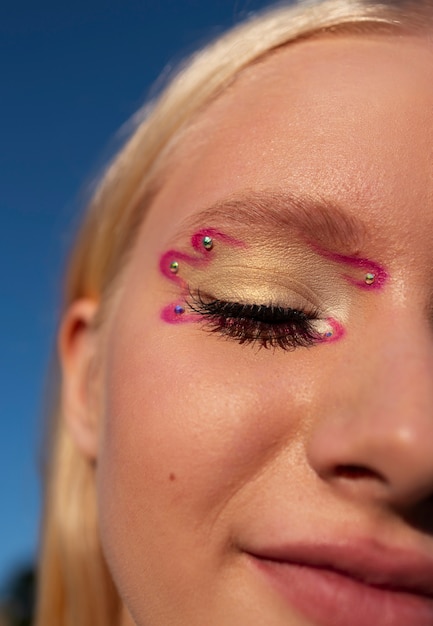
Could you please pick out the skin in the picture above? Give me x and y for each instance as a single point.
(203, 446)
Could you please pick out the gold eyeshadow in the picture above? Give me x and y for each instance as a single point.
(252, 292)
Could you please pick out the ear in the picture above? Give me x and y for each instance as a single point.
(77, 351)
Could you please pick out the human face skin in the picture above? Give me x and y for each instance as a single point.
(217, 459)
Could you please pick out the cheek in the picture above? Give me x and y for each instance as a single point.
(189, 420)
(181, 423)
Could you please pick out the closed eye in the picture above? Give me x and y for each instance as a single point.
(263, 325)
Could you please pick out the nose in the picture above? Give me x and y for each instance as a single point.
(374, 439)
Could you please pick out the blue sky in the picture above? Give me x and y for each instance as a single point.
(71, 74)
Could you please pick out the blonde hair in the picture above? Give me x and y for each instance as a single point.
(75, 587)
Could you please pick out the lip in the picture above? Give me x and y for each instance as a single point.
(357, 583)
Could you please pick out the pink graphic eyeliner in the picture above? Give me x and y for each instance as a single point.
(172, 260)
(337, 332)
(217, 235)
(370, 267)
(173, 315)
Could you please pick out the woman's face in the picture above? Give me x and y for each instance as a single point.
(266, 434)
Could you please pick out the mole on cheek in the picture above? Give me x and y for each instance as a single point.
(172, 477)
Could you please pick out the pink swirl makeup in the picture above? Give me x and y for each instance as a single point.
(265, 325)
(171, 261)
(374, 277)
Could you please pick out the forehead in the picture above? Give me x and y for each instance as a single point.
(349, 118)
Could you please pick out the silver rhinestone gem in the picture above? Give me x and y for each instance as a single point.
(207, 242)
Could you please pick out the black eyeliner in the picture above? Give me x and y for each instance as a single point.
(267, 326)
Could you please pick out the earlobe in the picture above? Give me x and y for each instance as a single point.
(77, 343)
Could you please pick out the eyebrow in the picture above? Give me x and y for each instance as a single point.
(313, 218)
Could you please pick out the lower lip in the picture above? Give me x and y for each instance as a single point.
(332, 599)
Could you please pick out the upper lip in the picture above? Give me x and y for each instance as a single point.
(371, 563)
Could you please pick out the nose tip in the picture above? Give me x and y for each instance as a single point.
(375, 442)
(392, 465)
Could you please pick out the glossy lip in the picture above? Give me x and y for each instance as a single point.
(357, 583)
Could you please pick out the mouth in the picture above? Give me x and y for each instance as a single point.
(335, 585)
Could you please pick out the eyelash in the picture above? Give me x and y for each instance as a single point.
(266, 326)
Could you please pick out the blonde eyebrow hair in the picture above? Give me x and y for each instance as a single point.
(311, 217)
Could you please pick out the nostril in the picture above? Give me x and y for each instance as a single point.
(420, 516)
(356, 472)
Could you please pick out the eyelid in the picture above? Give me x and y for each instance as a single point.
(206, 299)
(287, 294)
(305, 284)
(288, 275)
